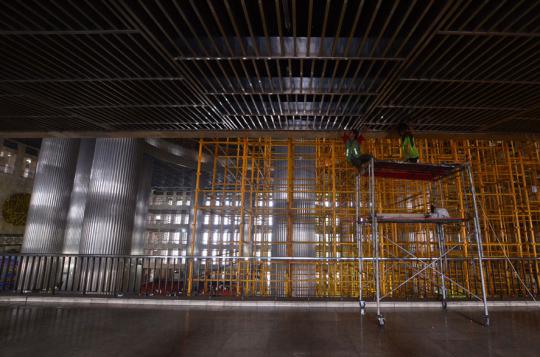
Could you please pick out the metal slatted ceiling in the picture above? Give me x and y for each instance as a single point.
(150, 66)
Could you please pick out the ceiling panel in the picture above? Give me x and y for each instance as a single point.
(166, 66)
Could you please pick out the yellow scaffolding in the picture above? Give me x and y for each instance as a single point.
(282, 212)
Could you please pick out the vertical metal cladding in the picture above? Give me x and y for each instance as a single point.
(304, 231)
(280, 202)
(50, 196)
(303, 226)
(77, 204)
(112, 197)
(141, 209)
(279, 228)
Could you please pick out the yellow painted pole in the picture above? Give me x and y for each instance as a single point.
(290, 212)
(194, 223)
(499, 202)
(530, 225)
(334, 221)
(242, 213)
(250, 217)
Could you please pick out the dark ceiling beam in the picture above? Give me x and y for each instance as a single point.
(489, 33)
(34, 116)
(45, 102)
(289, 57)
(505, 58)
(133, 106)
(511, 117)
(270, 47)
(84, 80)
(245, 65)
(389, 84)
(292, 85)
(274, 134)
(295, 92)
(471, 81)
(300, 113)
(150, 39)
(67, 32)
(449, 107)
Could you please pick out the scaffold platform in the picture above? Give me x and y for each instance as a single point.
(381, 208)
(414, 219)
(413, 171)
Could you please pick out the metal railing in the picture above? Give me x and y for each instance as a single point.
(275, 278)
(10, 242)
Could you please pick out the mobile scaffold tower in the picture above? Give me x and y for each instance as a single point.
(391, 257)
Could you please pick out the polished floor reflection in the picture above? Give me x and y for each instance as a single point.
(74, 330)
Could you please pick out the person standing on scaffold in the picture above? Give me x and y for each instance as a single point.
(409, 151)
(355, 148)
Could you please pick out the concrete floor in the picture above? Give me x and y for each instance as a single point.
(84, 330)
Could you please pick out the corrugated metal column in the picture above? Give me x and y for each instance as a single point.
(77, 204)
(50, 197)
(112, 196)
(302, 192)
(141, 210)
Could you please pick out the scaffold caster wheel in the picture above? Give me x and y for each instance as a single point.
(444, 305)
(362, 308)
(486, 320)
(380, 319)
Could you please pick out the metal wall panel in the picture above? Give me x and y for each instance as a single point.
(302, 207)
(112, 196)
(304, 230)
(141, 209)
(77, 204)
(51, 195)
(279, 228)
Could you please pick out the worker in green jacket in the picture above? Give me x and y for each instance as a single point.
(408, 147)
(355, 148)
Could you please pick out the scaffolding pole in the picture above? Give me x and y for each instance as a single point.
(360, 248)
(235, 214)
(375, 240)
(478, 238)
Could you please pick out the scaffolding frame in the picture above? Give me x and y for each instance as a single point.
(324, 263)
(409, 171)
